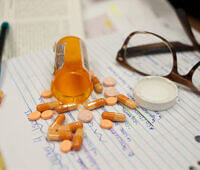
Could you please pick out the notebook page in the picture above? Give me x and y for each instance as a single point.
(147, 140)
(36, 25)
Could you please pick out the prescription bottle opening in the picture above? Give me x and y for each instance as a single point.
(72, 81)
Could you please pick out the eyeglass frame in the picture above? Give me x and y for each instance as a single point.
(173, 75)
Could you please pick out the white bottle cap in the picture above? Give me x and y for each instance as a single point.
(155, 93)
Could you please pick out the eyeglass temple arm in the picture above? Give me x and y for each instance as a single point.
(187, 28)
(191, 72)
(157, 48)
(185, 79)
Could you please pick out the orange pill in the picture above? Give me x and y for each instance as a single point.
(46, 94)
(98, 88)
(65, 108)
(106, 124)
(35, 115)
(47, 114)
(117, 117)
(111, 101)
(78, 139)
(47, 106)
(95, 104)
(59, 120)
(126, 101)
(71, 126)
(65, 146)
(59, 135)
(1, 95)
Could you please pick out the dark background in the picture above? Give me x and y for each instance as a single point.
(191, 7)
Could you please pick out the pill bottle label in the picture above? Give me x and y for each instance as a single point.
(60, 56)
(71, 83)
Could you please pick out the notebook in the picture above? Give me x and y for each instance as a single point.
(147, 140)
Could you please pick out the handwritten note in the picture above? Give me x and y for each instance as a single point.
(147, 140)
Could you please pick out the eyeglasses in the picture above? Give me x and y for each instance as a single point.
(126, 56)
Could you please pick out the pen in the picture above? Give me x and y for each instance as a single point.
(4, 30)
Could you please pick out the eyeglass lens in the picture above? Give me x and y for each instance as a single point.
(159, 64)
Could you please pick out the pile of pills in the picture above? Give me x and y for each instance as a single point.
(109, 117)
(71, 134)
(59, 132)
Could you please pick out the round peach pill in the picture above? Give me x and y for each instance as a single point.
(110, 92)
(47, 114)
(111, 101)
(109, 81)
(35, 115)
(46, 94)
(66, 146)
(85, 116)
(106, 124)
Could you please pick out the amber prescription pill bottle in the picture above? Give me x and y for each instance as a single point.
(72, 80)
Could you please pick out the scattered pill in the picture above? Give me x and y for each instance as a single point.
(75, 125)
(47, 106)
(47, 114)
(78, 139)
(111, 92)
(111, 101)
(35, 115)
(109, 81)
(1, 95)
(95, 104)
(117, 117)
(92, 73)
(46, 94)
(71, 126)
(65, 108)
(98, 88)
(126, 101)
(65, 146)
(59, 120)
(106, 124)
(85, 116)
(59, 135)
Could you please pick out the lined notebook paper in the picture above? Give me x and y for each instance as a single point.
(147, 140)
